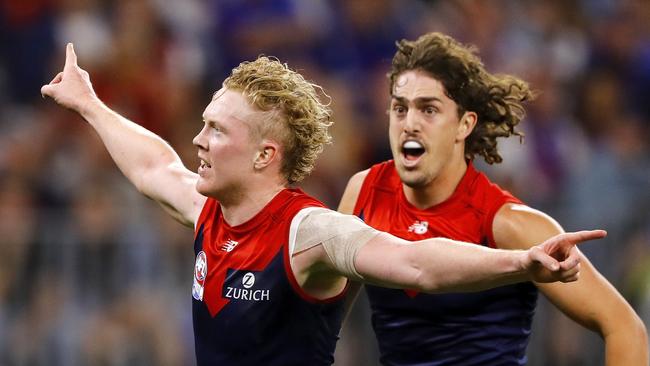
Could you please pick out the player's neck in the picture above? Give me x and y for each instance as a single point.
(248, 202)
(440, 189)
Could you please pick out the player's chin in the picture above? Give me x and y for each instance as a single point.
(202, 187)
(412, 178)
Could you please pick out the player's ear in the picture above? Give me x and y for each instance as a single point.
(466, 125)
(266, 154)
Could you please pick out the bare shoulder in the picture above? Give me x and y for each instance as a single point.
(518, 226)
(351, 193)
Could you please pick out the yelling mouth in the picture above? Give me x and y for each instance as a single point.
(203, 164)
(412, 151)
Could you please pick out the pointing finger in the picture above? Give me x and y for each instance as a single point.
(70, 56)
(585, 235)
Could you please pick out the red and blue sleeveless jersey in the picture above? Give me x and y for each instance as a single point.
(247, 306)
(483, 328)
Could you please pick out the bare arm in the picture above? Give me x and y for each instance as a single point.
(330, 246)
(443, 265)
(432, 265)
(146, 160)
(626, 340)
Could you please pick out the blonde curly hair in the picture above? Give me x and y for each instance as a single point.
(298, 118)
(496, 99)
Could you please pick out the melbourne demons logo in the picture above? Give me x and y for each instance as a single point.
(200, 271)
(419, 227)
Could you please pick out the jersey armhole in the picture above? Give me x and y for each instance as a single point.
(209, 208)
(364, 191)
(288, 254)
(489, 219)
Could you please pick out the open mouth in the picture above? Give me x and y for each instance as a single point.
(203, 164)
(412, 150)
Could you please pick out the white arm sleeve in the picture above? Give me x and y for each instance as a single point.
(341, 236)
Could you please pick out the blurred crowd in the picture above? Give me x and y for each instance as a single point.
(91, 273)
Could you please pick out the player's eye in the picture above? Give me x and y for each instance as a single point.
(429, 110)
(399, 109)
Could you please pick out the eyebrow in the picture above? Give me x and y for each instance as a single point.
(212, 123)
(419, 100)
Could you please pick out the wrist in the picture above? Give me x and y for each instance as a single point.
(90, 108)
(523, 264)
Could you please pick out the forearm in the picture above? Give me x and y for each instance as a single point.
(438, 265)
(448, 265)
(137, 151)
(627, 345)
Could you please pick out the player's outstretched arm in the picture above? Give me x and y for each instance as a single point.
(145, 159)
(446, 265)
(443, 265)
(592, 302)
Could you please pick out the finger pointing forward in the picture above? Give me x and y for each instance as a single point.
(70, 57)
(585, 235)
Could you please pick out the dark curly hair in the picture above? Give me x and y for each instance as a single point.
(496, 99)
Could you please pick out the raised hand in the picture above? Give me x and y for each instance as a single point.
(71, 87)
(558, 259)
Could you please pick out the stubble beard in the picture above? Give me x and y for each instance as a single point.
(413, 179)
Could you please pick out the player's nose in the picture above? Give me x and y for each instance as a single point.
(199, 140)
(411, 122)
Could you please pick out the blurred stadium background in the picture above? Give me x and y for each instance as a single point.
(93, 274)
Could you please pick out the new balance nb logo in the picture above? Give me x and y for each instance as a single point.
(229, 245)
(419, 227)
